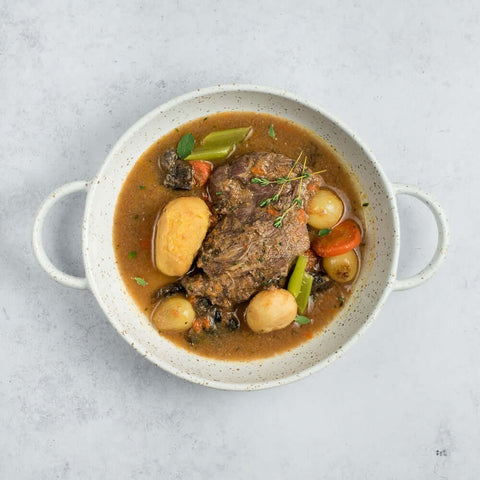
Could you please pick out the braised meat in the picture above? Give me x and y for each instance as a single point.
(244, 252)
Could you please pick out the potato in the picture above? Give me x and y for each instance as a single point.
(180, 231)
(271, 310)
(342, 268)
(324, 209)
(173, 314)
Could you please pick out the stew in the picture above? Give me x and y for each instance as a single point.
(239, 234)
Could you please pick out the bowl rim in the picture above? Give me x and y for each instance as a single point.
(245, 88)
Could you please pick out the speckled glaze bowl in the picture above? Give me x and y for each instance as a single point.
(377, 278)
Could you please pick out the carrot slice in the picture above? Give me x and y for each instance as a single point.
(272, 211)
(311, 260)
(301, 216)
(344, 237)
(201, 171)
(258, 171)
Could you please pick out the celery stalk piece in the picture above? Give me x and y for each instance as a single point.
(211, 152)
(304, 295)
(295, 282)
(226, 137)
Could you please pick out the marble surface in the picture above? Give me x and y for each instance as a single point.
(77, 402)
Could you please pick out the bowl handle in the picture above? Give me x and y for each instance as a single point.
(37, 243)
(443, 235)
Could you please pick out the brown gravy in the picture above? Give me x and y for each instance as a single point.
(143, 196)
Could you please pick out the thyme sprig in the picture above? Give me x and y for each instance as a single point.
(275, 198)
(278, 222)
(282, 181)
(297, 200)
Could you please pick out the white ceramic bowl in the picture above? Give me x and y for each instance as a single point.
(377, 278)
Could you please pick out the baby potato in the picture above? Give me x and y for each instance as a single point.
(342, 268)
(271, 310)
(180, 231)
(325, 209)
(173, 314)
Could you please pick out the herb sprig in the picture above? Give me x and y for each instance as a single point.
(297, 200)
(282, 181)
(279, 220)
(275, 198)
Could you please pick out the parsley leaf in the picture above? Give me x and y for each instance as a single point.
(324, 231)
(366, 204)
(140, 281)
(341, 300)
(132, 254)
(185, 145)
(271, 131)
(142, 187)
(302, 320)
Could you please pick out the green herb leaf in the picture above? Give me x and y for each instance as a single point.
(142, 187)
(278, 222)
(218, 193)
(260, 181)
(140, 281)
(185, 145)
(366, 204)
(132, 254)
(323, 231)
(271, 131)
(302, 320)
(341, 300)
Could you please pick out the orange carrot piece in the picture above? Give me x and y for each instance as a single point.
(201, 171)
(301, 216)
(311, 260)
(258, 171)
(272, 211)
(344, 237)
(197, 325)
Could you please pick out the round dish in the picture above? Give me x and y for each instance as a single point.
(377, 278)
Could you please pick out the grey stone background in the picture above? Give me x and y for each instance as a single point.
(77, 402)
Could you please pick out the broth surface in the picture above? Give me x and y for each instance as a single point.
(143, 196)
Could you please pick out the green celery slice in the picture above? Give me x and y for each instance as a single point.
(211, 152)
(295, 281)
(303, 296)
(226, 137)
